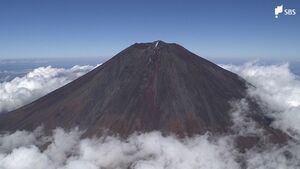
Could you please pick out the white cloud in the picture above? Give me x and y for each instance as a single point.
(144, 151)
(277, 89)
(26, 158)
(150, 150)
(275, 84)
(243, 125)
(37, 83)
(286, 157)
(18, 139)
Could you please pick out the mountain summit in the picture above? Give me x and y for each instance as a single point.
(148, 86)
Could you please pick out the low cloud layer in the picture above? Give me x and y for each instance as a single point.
(37, 83)
(276, 90)
(151, 150)
(66, 150)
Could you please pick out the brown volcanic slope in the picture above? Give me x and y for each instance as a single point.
(148, 86)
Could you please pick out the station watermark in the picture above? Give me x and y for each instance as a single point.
(279, 10)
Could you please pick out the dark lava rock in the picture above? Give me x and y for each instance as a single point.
(148, 86)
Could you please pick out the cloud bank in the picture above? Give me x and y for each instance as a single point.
(37, 83)
(151, 150)
(276, 90)
(66, 150)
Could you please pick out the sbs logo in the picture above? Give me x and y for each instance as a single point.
(290, 12)
(280, 9)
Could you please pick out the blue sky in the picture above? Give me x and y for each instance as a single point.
(93, 28)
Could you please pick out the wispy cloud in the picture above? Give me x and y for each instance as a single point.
(37, 83)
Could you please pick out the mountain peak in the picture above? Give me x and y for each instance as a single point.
(159, 42)
(157, 48)
(154, 44)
